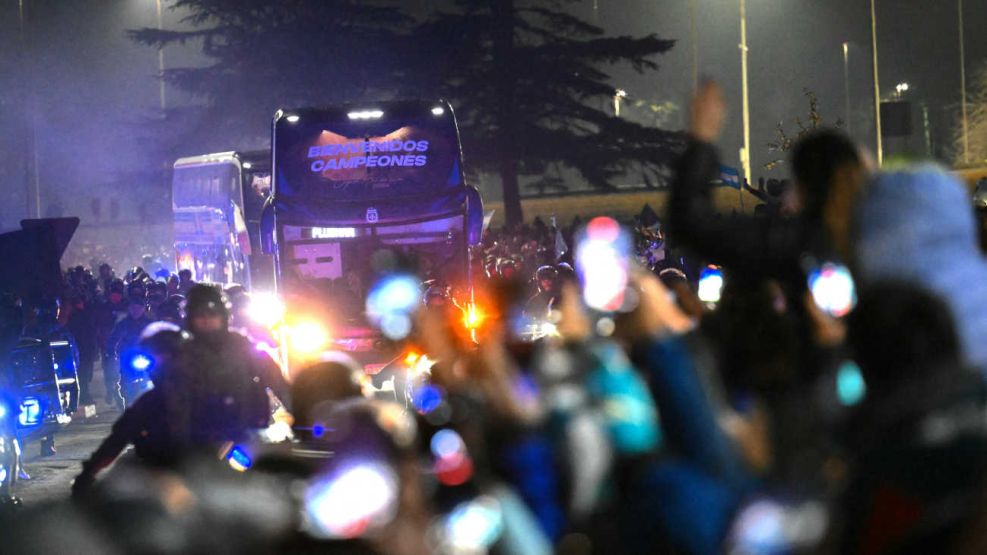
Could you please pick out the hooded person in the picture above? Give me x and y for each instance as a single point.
(917, 226)
(916, 444)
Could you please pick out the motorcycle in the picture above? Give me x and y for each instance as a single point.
(135, 377)
(42, 390)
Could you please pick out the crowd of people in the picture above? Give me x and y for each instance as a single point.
(105, 315)
(773, 419)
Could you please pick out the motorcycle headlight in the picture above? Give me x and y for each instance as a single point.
(141, 362)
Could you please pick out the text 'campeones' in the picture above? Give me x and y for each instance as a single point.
(369, 154)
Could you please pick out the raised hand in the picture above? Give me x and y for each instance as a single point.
(707, 113)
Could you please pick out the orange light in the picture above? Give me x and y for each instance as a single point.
(474, 317)
(186, 261)
(411, 358)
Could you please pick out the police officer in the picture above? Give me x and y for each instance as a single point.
(109, 310)
(547, 280)
(227, 378)
(122, 343)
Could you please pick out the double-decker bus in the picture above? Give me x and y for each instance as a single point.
(217, 200)
(354, 183)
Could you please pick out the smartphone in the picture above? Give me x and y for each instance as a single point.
(710, 287)
(833, 289)
(603, 255)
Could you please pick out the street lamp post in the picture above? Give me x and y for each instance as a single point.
(694, 35)
(745, 155)
(966, 136)
(33, 188)
(618, 95)
(846, 85)
(161, 62)
(877, 85)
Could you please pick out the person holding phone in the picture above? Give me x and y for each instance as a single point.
(828, 171)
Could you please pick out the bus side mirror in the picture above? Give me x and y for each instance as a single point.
(267, 227)
(474, 216)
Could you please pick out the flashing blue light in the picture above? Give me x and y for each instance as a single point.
(850, 385)
(239, 459)
(427, 398)
(3, 411)
(318, 430)
(30, 414)
(140, 362)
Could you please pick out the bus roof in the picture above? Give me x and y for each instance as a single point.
(257, 160)
(207, 160)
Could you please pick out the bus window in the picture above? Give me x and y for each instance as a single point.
(205, 185)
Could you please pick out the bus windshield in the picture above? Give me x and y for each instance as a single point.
(329, 157)
(213, 185)
(335, 264)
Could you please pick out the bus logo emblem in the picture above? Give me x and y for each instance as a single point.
(372, 216)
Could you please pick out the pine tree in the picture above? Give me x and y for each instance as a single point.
(529, 83)
(527, 79)
(267, 55)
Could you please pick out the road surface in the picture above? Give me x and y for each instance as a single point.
(51, 477)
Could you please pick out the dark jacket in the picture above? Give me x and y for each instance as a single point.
(126, 334)
(222, 382)
(757, 246)
(105, 316)
(82, 325)
(141, 425)
(920, 451)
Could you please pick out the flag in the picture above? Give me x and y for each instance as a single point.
(242, 236)
(560, 247)
(730, 177)
(648, 216)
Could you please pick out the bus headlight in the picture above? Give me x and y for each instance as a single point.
(266, 309)
(307, 338)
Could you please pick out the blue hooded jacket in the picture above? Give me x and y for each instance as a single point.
(918, 226)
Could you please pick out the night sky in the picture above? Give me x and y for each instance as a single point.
(95, 88)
